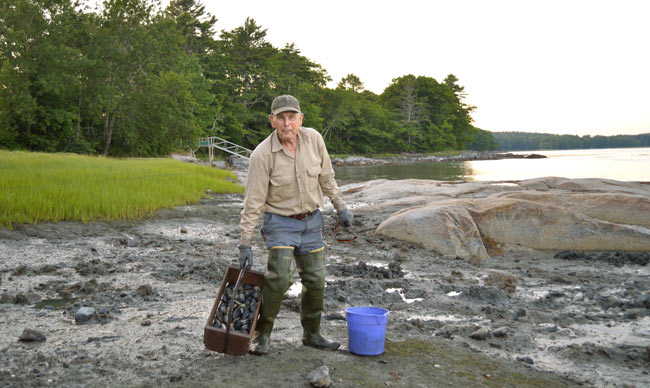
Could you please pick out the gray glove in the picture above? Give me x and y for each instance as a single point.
(245, 257)
(345, 218)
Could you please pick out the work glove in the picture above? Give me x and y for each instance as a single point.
(345, 218)
(245, 257)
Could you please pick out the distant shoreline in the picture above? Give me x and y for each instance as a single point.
(415, 158)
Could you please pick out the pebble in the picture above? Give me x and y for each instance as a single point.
(6, 298)
(500, 332)
(480, 334)
(527, 360)
(144, 290)
(183, 230)
(320, 377)
(518, 313)
(335, 317)
(175, 377)
(32, 335)
(84, 314)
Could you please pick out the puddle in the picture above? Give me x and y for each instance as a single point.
(447, 318)
(401, 293)
(636, 333)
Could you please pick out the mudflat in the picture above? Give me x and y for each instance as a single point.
(521, 318)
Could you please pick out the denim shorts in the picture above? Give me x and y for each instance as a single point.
(304, 235)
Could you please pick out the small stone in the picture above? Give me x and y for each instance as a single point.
(320, 377)
(31, 335)
(175, 377)
(335, 317)
(519, 313)
(527, 360)
(84, 314)
(6, 298)
(20, 299)
(480, 334)
(146, 322)
(500, 332)
(144, 290)
(183, 230)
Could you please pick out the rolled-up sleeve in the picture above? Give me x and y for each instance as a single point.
(326, 179)
(257, 185)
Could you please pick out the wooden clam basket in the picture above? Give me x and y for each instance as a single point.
(226, 340)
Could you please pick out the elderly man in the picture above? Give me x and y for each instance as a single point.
(288, 173)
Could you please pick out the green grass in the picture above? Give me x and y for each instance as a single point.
(38, 187)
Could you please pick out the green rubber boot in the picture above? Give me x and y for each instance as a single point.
(311, 268)
(277, 281)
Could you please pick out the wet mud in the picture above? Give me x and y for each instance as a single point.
(125, 304)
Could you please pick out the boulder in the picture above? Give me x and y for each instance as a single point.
(448, 230)
(454, 218)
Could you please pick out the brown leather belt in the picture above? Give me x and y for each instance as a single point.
(302, 216)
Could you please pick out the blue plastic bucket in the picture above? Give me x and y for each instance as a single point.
(366, 330)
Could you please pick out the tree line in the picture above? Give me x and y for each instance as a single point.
(132, 79)
(520, 141)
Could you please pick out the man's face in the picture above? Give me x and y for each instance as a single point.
(287, 125)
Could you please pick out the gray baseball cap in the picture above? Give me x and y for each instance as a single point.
(285, 103)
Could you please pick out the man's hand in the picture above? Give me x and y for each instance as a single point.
(345, 218)
(245, 257)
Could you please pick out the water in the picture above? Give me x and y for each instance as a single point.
(623, 164)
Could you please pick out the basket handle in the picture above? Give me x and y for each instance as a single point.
(232, 303)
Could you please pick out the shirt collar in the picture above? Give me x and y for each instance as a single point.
(275, 140)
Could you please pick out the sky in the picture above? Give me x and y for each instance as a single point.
(564, 67)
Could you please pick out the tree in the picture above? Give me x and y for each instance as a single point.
(351, 82)
(194, 24)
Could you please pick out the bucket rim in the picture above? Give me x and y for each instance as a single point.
(384, 311)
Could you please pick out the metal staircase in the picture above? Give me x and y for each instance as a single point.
(213, 142)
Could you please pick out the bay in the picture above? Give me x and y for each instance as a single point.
(624, 164)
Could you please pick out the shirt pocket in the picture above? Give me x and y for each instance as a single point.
(281, 188)
(313, 173)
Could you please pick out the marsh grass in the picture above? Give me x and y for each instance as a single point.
(38, 187)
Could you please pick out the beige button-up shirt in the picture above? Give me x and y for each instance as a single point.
(280, 183)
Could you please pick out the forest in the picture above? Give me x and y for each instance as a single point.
(520, 141)
(130, 78)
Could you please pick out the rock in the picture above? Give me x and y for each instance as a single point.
(21, 298)
(544, 213)
(7, 298)
(84, 314)
(448, 230)
(518, 313)
(176, 377)
(500, 332)
(503, 280)
(183, 229)
(485, 293)
(320, 377)
(334, 317)
(527, 360)
(144, 290)
(32, 335)
(481, 334)
(238, 162)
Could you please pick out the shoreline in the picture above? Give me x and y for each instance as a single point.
(416, 158)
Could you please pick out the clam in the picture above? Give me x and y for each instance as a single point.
(244, 306)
